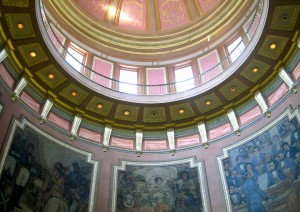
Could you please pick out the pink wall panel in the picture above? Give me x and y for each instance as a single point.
(155, 145)
(206, 63)
(206, 5)
(104, 68)
(156, 77)
(89, 134)
(172, 13)
(96, 8)
(296, 72)
(122, 143)
(59, 121)
(188, 141)
(133, 14)
(219, 131)
(277, 94)
(30, 102)
(7, 78)
(249, 115)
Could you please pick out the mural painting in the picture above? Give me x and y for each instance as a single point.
(262, 173)
(159, 187)
(39, 173)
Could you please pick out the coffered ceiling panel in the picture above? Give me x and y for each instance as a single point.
(154, 114)
(99, 105)
(127, 113)
(74, 93)
(33, 54)
(269, 50)
(255, 70)
(20, 26)
(181, 111)
(208, 102)
(285, 17)
(233, 89)
(15, 3)
(51, 76)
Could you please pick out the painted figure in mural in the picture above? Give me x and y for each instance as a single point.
(51, 195)
(268, 159)
(289, 151)
(240, 169)
(185, 191)
(235, 196)
(285, 163)
(129, 204)
(5, 196)
(257, 159)
(276, 144)
(275, 175)
(76, 187)
(255, 196)
(26, 164)
(252, 171)
(284, 128)
(294, 135)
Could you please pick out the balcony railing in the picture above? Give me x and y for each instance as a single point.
(158, 89)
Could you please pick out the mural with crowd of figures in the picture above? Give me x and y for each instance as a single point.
(40, 173)
(262, 173)
(160, 186)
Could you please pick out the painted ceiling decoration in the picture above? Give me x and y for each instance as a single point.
(180, 27)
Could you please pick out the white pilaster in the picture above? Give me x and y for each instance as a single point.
(46, 109)
(20, 86)
(203, 133)
(3, 55)
(262, 103)
(106, 137)
(171, 140)
(75, 126)
(233, 120)
(287, 79)
(139, 142)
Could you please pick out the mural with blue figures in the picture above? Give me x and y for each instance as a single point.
(263, 174)
(40, 175)
(173, 188)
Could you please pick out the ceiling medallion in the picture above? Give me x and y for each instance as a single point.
(207, 102)
(181, 110)
(233, 89)
(20, 25)
(153, 113)
(254, 70)
(100, 105)
(272, 46)
(51, 76)
(74, 93)
(32, 54)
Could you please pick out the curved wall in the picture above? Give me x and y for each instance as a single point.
(107, 160)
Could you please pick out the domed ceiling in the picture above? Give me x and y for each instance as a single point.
(148, 30)
(163, 30)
